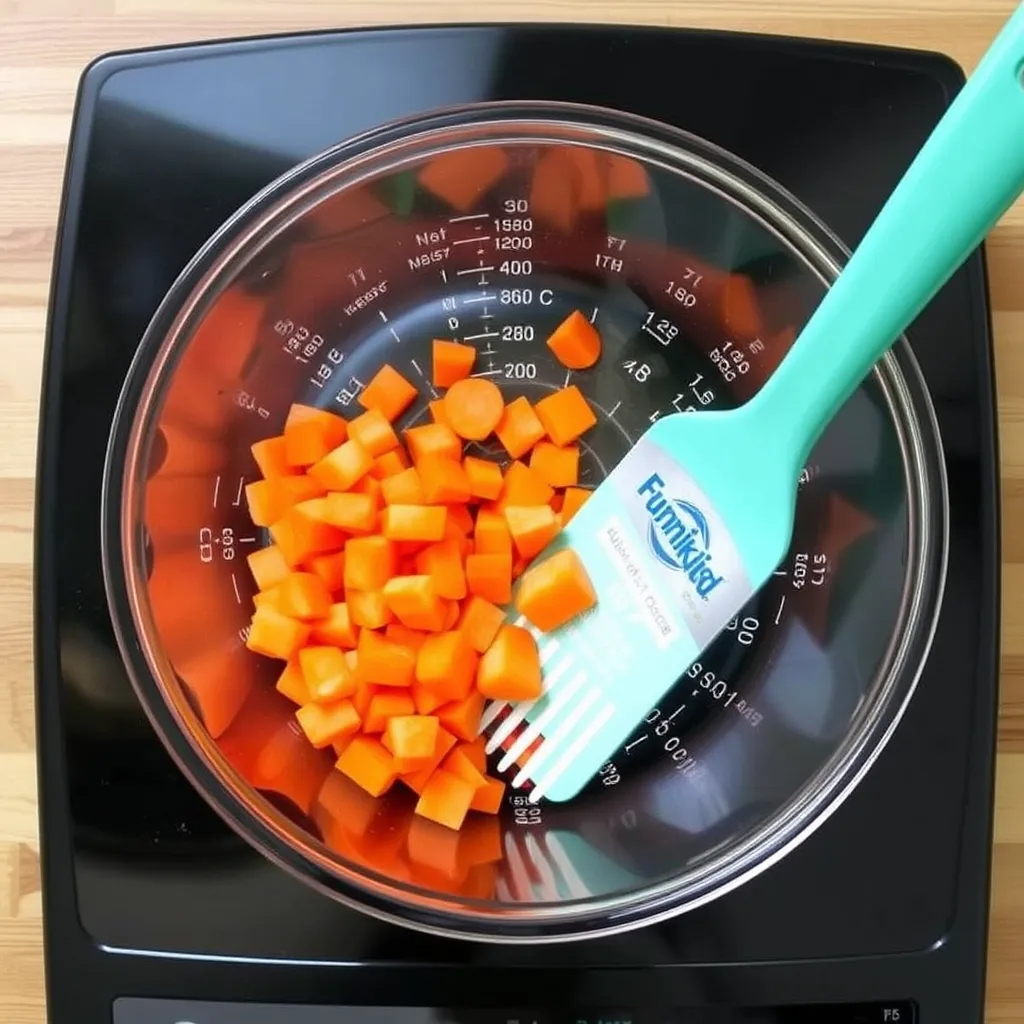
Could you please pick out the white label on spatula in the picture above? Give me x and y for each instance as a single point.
(688, 552)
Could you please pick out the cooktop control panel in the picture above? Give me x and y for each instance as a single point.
(161, 1011)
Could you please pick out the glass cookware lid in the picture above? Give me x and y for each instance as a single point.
(490, 225)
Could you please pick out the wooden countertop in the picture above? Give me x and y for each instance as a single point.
(44, 44)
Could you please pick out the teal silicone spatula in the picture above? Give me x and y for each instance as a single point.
(699, 513)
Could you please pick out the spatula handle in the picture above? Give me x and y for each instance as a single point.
(966, 175)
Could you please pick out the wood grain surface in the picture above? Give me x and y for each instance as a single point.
(44, 44)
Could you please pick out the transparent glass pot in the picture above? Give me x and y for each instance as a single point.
(489, 224)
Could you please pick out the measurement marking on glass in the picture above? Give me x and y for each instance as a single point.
(659, 338)
(247, 540)
(216, 491)
(778, 614)
(676, 712)
(472, 270)
(614, 408)
(238, 496)
(416, 367)
(444, 276)
(482, 334)
(486, 316)
(568, 374)
(480, 251)
(780, 572)
(394, 334)
(475, 238)
(593, 316)
(380, 313)
(629, 746)
(486, 373)
(468, 216)
(234, 585)
(478, 298)
(488, 351)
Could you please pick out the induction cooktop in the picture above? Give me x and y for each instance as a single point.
(156, 912)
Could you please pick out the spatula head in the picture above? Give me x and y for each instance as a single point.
(684, 530)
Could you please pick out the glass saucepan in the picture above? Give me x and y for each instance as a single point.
(489, 224)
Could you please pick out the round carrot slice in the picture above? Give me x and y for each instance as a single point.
(473, 407)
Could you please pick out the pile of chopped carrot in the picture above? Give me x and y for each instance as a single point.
(393, 555)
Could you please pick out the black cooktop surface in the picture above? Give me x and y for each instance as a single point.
(150, 895)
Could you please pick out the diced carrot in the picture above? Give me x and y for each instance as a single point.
(575, 342)
(488, 797)
(414, 601)
(403, 488)
(462, 717)
(444, 481)
(354, 513)
(572, 501)
(627, 178)
(389, 392)
(491, 536)
(413, 522)
(373, 430)
(553, 189)
(336, 627)
(559, 467)
(325, 724)
(452, 361)
(741, 313)
(330, 568)
(411, 740)
(365, 692)
(426, 701)
(292, 684)
(460, 177)
(299, 538)
(436, 408)
(460, 765)
(341, 744)
(367, 608)
(268, 500)
(523, 486)
(555, 590)
(519, 565)
(383, 662)
(369, 562)
(436, 848)
(451, 617)
(400, 634)
(532, 528)
(433, 439)
(385, 704)
(368, 764)
(314, 509)
(445, 742)
(446, 664)
(473, 407)
(565, 415)
(490, 576)
(461, 518)
(327, 673)
(343, 467)
(442, 562)
(510, 667)
(310, 433)
(591, 178)
(445, 799)
(303, 595)
(272, 457)
(275, 635)
(268, 597)
(268, 566)
(476, 750)
(370, 486)
(389, 464)
(484, 477)
(479, 622)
